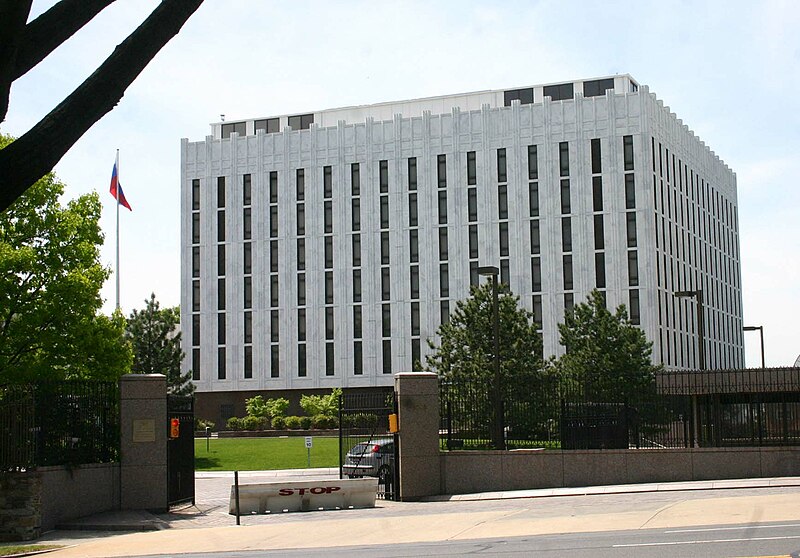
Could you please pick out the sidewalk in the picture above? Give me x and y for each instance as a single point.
(207, 527)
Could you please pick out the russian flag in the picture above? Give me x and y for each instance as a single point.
(116, 187)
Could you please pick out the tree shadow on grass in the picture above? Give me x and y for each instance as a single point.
(206, 463)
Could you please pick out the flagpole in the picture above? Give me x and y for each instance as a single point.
(117, 196)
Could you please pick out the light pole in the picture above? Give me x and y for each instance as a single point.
(701, 340)
(498, 440)
(761, 332)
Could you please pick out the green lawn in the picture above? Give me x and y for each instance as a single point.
(262, 454)
(15, 549)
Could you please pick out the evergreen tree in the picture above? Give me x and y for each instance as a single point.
(157, 346)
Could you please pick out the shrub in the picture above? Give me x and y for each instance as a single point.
(305, 422)
(278, 423)
(324, 421)
(253, 423)
(321, 404)
(293, 423)
(201, 424)
(234, 423)
(271, 408)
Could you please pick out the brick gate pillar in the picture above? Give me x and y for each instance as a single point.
(418, 415)
(143, 442)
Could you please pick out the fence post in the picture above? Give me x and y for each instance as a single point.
(418, 415)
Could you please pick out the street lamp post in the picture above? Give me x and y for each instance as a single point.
(761, 332)
(701, 341)
(498, 439)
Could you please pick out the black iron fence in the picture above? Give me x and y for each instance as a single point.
(677, 409)
(58, 423)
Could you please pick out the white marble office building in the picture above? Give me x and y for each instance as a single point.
(324, 249)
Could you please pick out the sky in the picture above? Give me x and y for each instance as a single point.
(729, 69)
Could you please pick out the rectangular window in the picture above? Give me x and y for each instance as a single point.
(330, 361)
(536, 275)
(414, 281)
(537, 309)
(416, 355)
(444, 281)
(274, 326)
(356, 250)
(413, 245)
(599, 240)
(247, 258)
(386, 320)
(502, 174)
(630, 192)
(533, 163)
(357, 322)
(504, 239)
(472, 204)
(328, 217)
(412, 173)
(444, 311)
(442, 207)
(566, 234)
(221, 293)
(387, 356)
(248, 362)
(301, 254)
(356, 214)
(248, 292)
(327, 182)
(569, 301)
(301, 360)
(563, 158)
(634, 307)
(328, 252)
(195, 364)
(247, 226)
(505, 271)
(386, 284)
(415, 318)
(536, 244)
(274, 362)
(221, 260)
(472, 171)
(270, 125)
(356, 285)
(355, 180)
(524, 96)
(301, 219)
(597, 193)
(473, 241)
(633, 268)
(413, 219)
(301, 289)
(301, 324)
(273, 291)
(301, 184)
(383, 171)
(567, 266)
(195, 228)
(533, 199)
(195, 296)
(384, 212)
(221, 225)
(597, 87)
(358, 359)
(630, 219)
(221, 363)
(600, 270)
(221, 191)
(273, 221)
(565, 201)
(196, 330)
(196, 194)
(233, 127)
(384, 248)
(248, 327)
(273, 187)
(329, 287)
(596, 158)
(443, 251)
(441, 170)
(329, 323)
(559, 92)
(627, 152)
(474, 278)
(246, 189)
(301, 121)
(502, 201)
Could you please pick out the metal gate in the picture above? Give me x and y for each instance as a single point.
(180, 450)
(366, 447)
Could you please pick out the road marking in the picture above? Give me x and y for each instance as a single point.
(739, 528)
(675, 543)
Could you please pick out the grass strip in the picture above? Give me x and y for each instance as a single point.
(264, 454)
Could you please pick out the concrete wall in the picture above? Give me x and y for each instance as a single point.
(488, 471)
(71, 493)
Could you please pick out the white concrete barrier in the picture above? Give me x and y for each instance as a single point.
(305, 495)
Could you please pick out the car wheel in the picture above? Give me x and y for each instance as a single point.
(385, 475)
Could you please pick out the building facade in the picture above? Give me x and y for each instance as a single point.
(324, 249)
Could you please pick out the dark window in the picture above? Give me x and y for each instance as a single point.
(597, 87)
(504, 239)
(559, 92)
(473, 241)
(505, 271)
(627, 151)
(569, 301)
(355, 180)
(596, 158)
(274, 362)
(329, 323)
(444, 311)
(600, 270)
(248, 362)
(358, 363)
(599, 241)
(472, 204)
(634, 307)
(442, 207)
(329, 359)
(441, 170)
(356, 216)
(537, 309)
(474, 278)
(301, 360)
(328, 217)
(386, 320)
(356, 250)
(273, 187)
(270, 125)
(246, 190)
(195, 296)
(443, 251)
(535, 237)
(533, 163)
(633, 269)
(195, 228)
(533, 198)
(384, 248)
(196, 194)
(327, 182)
(386, 284)
(565, 202)
(412, 173)
(221, 363)
(415, 318)
(416, 355)
(231, 127)
(301, 254)
(444, 281)
(524, 96)
(384, 212)
(301, 184)
(301, 324)
(536, 275)
(273, 221)
(196, 330)
(414, 281)
(221, 225)
(221, 260)
(563, 158)
(472, 171)
(566, 234)
(220, 191)
(502, 174)
(328, 252)
(502, 201)
(247, 227)
(301, 289)
(248, 292)
(387, 356)
(274, 331)
(383, 167)
(413, 244)
(273, 290)
(221, 293)
(247, 257)
(301, 121)
(195, 364)
(248, 327)
(221, 328)
(329, 287)
(356, 285)
(631, 228)
(630, 192)
(412, 210)
(567, 266)
(597, 193)
(301, 219)
(357, 322)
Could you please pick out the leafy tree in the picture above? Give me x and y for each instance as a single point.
(24, 44)
(50, 280)
(607, 356)
(327, 405)
(157, 346)
(271, 408)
